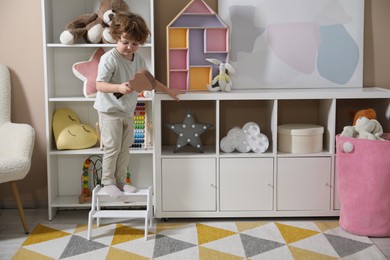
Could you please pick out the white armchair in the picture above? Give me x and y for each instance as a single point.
(16, 143)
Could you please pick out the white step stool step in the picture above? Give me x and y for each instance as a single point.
(139, 196)
(143, 196)
(120, 214)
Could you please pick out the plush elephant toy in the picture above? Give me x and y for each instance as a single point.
(93, 27)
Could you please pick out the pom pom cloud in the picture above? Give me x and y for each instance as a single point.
(244, 140)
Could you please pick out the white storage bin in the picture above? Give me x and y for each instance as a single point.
(300, 138)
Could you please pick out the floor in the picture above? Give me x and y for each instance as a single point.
(12, 233)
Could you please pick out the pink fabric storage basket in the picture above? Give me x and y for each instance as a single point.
(364, 186)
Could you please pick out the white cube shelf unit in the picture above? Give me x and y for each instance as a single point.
(64, 89)
(269, 184)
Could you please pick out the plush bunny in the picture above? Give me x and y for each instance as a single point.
(93, 27)
(222, 81)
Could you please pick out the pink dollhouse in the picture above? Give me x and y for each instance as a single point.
(195, 34)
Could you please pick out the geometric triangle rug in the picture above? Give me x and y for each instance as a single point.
(209, 239)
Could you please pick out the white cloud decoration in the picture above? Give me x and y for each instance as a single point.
(244, 140)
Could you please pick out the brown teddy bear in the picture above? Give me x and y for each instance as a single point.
(370, 113)
(93, 27)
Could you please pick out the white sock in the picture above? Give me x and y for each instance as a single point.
(112, 191)
(128, 188)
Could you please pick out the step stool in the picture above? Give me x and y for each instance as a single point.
(99, 196)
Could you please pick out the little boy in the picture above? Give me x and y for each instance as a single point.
(116, 68)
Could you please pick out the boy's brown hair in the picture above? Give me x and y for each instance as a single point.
(131, 24)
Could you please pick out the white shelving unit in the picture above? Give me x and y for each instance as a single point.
(63, 89)
(270, 184)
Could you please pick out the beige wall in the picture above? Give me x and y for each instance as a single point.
(21, 50)
(376, 43)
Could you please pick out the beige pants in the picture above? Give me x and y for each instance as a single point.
(117, 133)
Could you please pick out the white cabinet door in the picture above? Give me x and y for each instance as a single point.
(303, 183)
(189, 184)
(246, 184)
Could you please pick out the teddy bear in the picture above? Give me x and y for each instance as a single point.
(93, 27)
(370, 113)
(364, 128)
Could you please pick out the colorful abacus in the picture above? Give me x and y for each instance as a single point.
(140, 126)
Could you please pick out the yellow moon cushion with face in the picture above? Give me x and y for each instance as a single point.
(70, 133)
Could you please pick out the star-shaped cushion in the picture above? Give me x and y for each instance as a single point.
(189, 132)
(87, 72)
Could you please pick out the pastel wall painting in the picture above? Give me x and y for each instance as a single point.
(295, 43)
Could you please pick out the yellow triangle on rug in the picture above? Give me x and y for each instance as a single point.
(126, 233)
(207, 253)
(326, 225)
(245, 225)
(24, 254)
(207, 234)
(299, 253)
(43, 233)
(115, 254)
(292, 234)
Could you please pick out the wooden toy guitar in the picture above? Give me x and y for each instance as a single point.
(142, 81)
